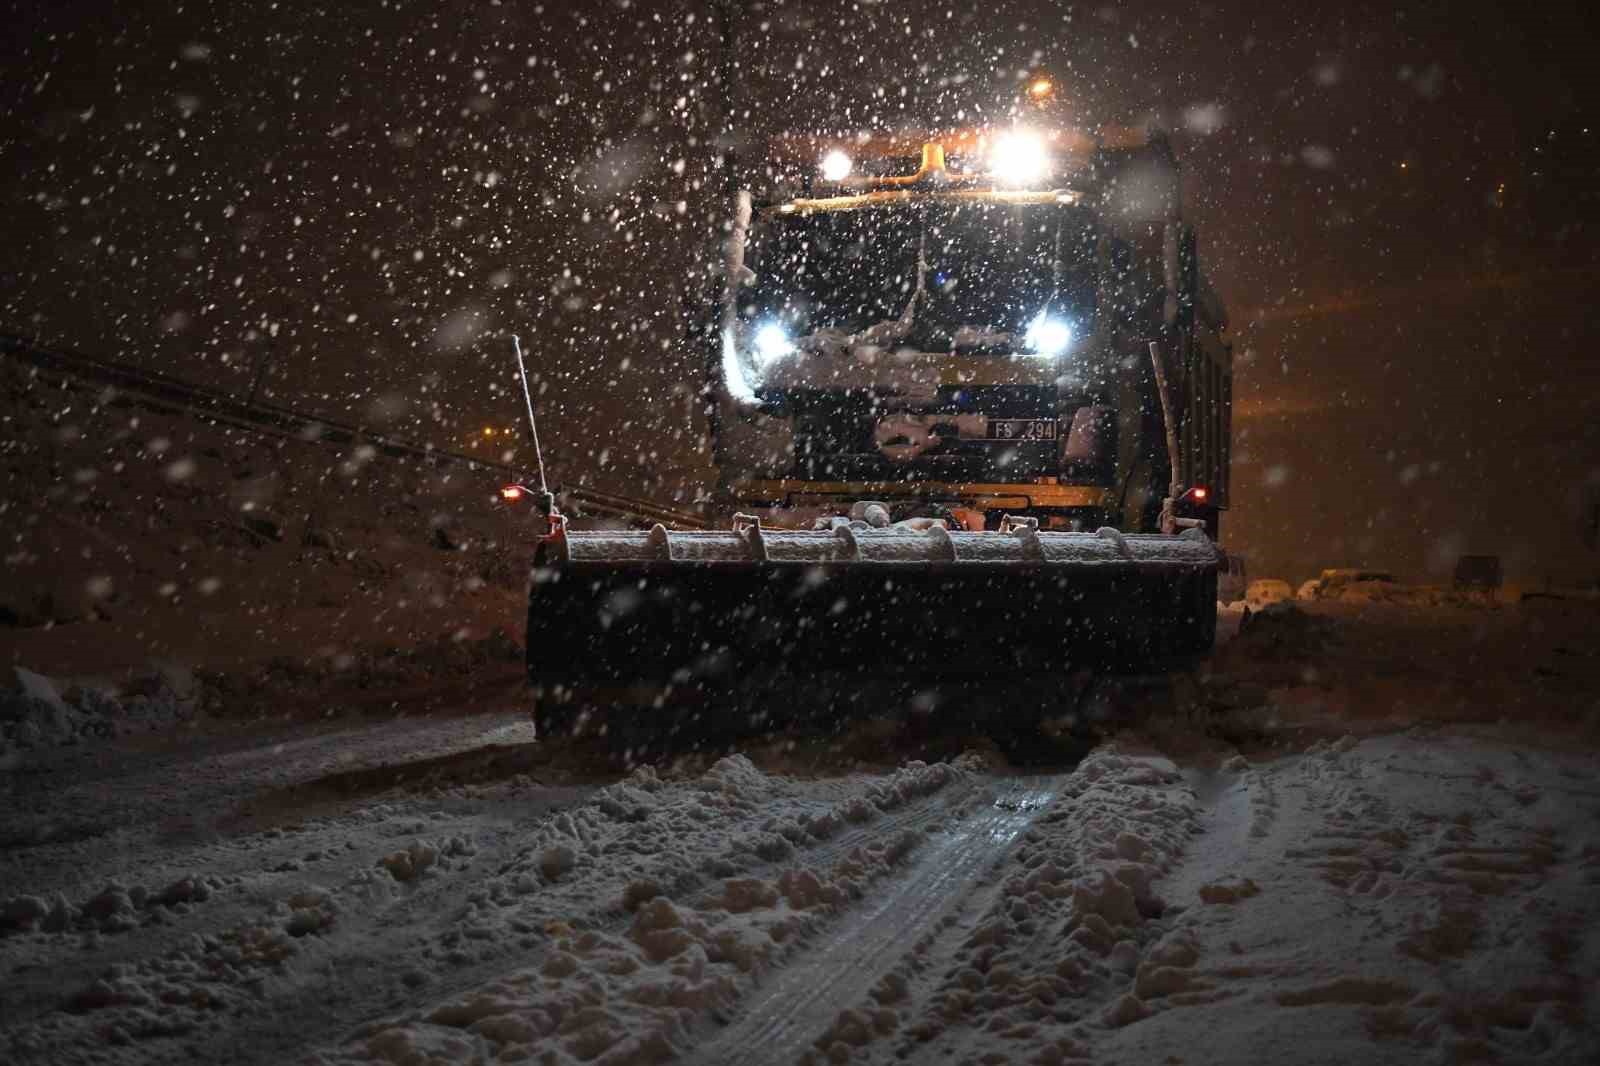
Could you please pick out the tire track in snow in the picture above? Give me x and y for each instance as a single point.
(887, 814)
(914, 816)
(801, 1001)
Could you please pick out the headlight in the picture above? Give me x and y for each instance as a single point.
(1018, 158)
(1048, 335)
(771, 343)
(836, 166)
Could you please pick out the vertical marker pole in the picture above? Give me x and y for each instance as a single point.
(527, 394)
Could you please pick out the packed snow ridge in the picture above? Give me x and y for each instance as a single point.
(652, 905)
(638, 952)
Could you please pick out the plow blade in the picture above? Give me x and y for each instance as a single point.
(647, 624)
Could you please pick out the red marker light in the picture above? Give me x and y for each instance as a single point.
(1200, 493)
(511, 493)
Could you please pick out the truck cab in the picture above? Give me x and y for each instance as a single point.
(957, 323)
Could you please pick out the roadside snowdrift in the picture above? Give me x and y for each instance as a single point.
(1403, 898)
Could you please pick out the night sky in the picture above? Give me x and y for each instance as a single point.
(1398, 203)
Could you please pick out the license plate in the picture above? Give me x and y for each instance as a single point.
(1022, 429)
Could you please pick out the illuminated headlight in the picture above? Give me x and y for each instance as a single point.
(836, 166)
(1018, 158)
(771, 343)
(1048, 335)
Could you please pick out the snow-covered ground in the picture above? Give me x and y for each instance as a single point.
(268, 793)
(1308, 854)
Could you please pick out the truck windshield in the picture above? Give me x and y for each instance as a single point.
(986, 268)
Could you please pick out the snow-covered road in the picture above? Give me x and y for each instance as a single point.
(1423, 894)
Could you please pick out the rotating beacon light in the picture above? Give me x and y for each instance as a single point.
(836, 166)
(1018, 157)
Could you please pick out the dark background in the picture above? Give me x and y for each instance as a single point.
(358, 203)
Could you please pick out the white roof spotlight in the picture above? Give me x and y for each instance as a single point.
(1019, 157)
(836, 166)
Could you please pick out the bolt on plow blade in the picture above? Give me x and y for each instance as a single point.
(636, 622)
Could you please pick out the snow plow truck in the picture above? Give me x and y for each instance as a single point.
(968, 396)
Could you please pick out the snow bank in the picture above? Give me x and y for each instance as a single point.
(1263, 592)
(41, 711)
(1365, 586)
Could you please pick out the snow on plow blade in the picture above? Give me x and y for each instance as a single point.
(670, 617)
